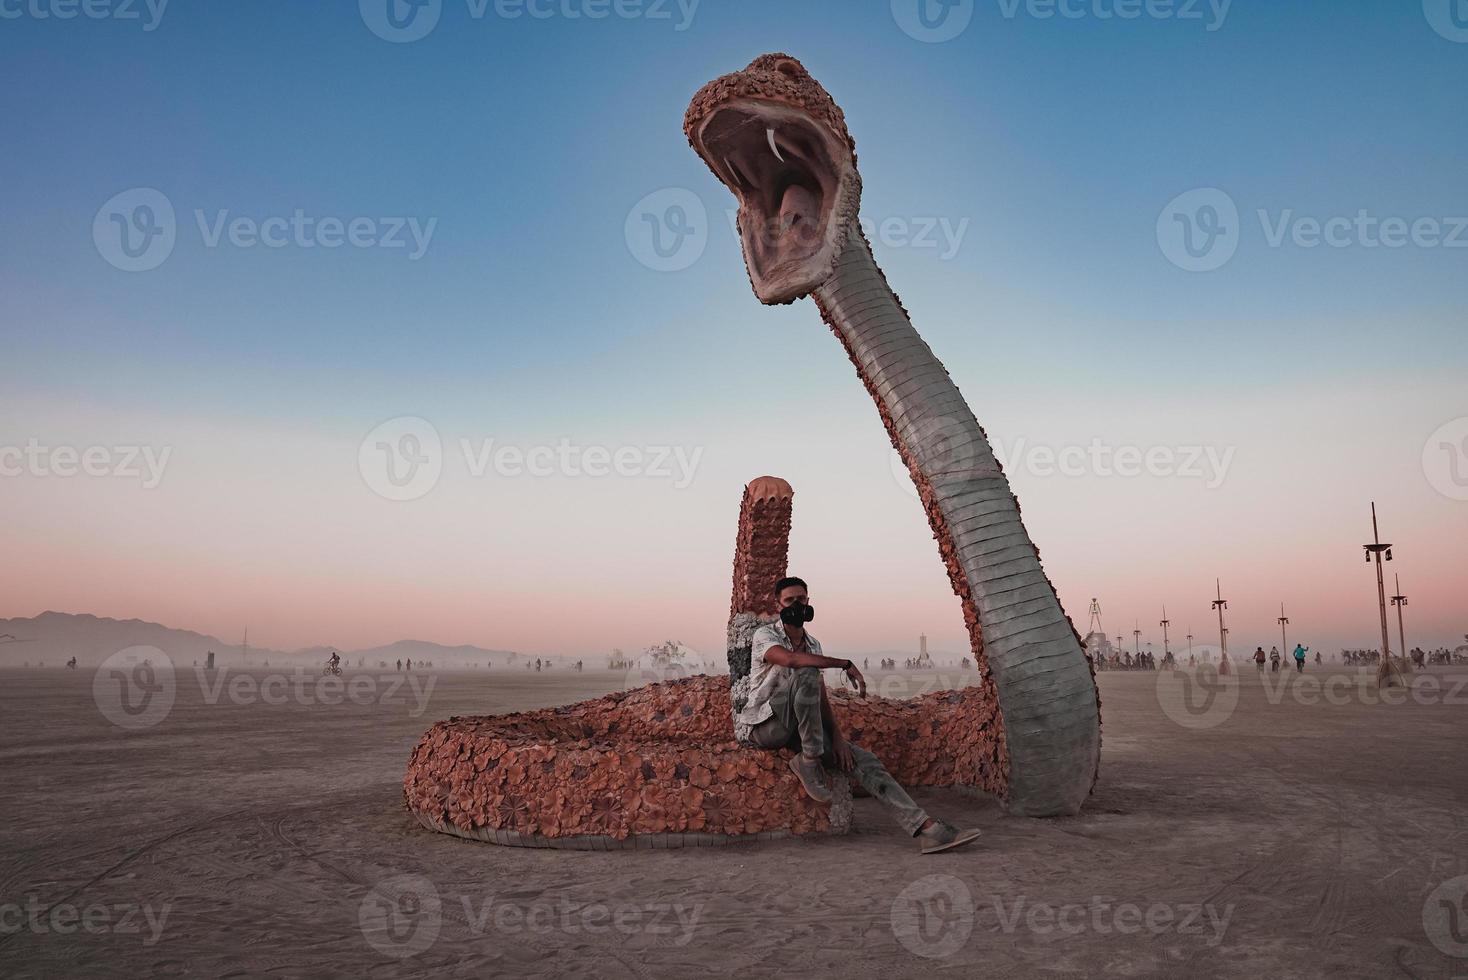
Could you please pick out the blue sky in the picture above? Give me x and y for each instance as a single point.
(1054, 142)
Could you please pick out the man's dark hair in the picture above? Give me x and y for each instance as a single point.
(787, 582)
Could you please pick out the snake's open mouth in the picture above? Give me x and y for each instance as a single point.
(778, 163)
(797, 187)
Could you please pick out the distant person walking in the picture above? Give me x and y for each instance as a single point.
(1300, 652)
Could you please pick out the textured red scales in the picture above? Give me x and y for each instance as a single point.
(761, 545)
(772, 78)
(663, 758)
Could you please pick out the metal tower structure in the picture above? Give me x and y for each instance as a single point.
(1166, 652)
(1388, 674)
(1399, 601)
(1284, 642)
(1221, 604)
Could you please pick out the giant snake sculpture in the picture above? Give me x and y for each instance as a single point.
(775, 138)
(662, 765)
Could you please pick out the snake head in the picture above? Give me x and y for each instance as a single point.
(774, 137)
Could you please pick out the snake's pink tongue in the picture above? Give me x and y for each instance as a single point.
(797, 207)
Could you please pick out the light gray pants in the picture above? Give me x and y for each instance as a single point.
(797, 722)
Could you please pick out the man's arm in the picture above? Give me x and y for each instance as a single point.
(785, 657)
(767, 645)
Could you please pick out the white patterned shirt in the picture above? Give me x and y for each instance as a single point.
(766, 678)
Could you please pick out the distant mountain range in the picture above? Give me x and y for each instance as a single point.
(52, 638)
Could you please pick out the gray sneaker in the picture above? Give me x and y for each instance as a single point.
(812, 777)
(943, 836)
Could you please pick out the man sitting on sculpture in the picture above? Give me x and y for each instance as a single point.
(788, 708)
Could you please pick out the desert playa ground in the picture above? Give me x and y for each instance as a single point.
(1305, 830)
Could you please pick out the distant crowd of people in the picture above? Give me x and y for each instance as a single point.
(913, 663)
(546, 664)
(1419, 657)
(1125, 660)
(1442, 655)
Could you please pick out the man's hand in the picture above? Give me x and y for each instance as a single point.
(856, 680)
(841, 750)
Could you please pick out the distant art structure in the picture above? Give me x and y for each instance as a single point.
(777, 140)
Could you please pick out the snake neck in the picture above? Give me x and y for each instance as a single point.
(1030, 654)
(869, 320)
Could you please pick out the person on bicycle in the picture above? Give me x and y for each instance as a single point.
(335, 661)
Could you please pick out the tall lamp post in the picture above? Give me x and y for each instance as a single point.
(1388, 674)
(1284, 640)
(1399, 601)
(1166, 652)
(1221, 604)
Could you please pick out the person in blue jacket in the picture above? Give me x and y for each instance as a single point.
(1300, 652)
